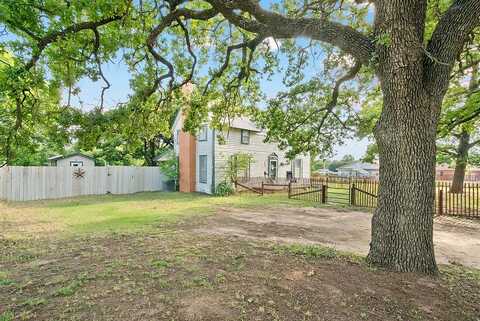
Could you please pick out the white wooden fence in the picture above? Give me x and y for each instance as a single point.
(18, 183)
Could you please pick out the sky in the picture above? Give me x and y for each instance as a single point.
(118, 75)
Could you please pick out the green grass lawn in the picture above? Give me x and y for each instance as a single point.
(121, 213)
(143, 257)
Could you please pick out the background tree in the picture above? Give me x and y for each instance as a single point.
(236, 166)
(457, 136)
(122, 137)
(28, 136)
(409, 47)
(458, 130)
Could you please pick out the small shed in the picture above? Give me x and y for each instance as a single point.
(164, 155)
(72, 160)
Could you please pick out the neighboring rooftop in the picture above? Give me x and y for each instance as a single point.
(359, 166)
(57, 157)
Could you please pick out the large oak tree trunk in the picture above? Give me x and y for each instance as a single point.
(460, 163)
(402, 225)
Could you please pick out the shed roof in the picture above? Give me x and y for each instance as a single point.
(57, 157)
(164, 155)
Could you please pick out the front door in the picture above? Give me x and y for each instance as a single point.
(272, 167)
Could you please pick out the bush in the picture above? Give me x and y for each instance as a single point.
(224, 189)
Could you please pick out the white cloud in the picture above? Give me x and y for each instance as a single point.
(272, 44)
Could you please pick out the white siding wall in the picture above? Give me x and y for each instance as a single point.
(260, 152)
(205, 148)
(65, 162)
(177, 126)
(19, 183)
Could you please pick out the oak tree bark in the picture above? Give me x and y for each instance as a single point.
(402, 225)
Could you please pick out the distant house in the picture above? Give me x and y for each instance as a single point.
(358, 169)
(72, 160)
(324, 171)
(203, 159)
(445, 173)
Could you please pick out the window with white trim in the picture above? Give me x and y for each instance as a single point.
(202, 169)
(245, 136)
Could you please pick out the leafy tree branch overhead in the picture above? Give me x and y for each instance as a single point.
(409, 49)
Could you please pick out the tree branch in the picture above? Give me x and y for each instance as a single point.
(75, 28)
(167, 21)
(334, 98)
(474, 143)
(449, 150)
(190, 51)
(448, 39)
(99, 64)
(267, 22)
(252, 44)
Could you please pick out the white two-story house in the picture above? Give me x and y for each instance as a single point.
(204, 158)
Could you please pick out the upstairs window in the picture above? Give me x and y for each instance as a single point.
(245, 136)
(202, 134)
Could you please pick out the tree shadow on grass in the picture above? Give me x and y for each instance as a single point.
(110, 198)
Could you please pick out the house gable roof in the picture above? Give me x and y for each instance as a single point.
(237, 122)
(177, 119)
(244, 123)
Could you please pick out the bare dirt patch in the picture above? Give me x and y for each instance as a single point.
(177, 273)
(204, 307)
(456, 240)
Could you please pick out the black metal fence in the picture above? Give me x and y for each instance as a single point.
(466, 203)
(362, 192)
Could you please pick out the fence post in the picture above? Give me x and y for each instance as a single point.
(352, 195)
(289, 189)
(324, 194)
(262, 188)
(440, 202)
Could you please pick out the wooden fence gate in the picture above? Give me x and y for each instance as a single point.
(340, 191)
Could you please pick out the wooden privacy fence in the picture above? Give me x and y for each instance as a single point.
(18, 183)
